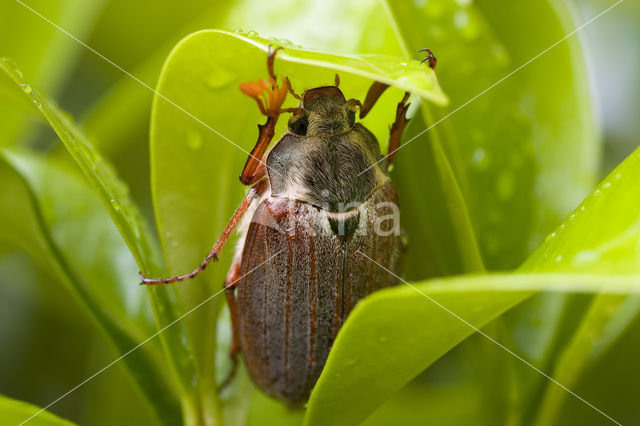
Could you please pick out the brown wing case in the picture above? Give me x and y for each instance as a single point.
(290, 309)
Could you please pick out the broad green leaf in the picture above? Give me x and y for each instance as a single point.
(119, 118)
(15, 412)
(99, 173)
(599, 234)
(426, 320)
(525, 152)
(369, 31)
(264, 407)
(53, 215)
(74, 216)
(132, 227)
(194, 169)
(415, 405)
(44, 52)
(388, 319)
(576, 246)
(435, 216)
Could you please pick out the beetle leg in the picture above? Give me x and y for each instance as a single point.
(431, 58)
(375, 91)
(269, 97)
(258, 173)
(397, 127)
(230, 285)
(291, 91)
(254, 162)
(253, 193)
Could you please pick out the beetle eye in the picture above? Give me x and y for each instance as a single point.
(299, 127)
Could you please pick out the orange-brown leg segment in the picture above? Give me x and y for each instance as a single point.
(397, 127)
(269, 97)
(253, 193)
(375, 91)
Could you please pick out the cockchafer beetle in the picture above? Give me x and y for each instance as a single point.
(317, 199)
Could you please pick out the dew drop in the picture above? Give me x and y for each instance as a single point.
(586, 256)
(115, 204)
(558, 259)
(252, 34)
(10, 62)
(606, 185)
(285, 42)
(27, 89)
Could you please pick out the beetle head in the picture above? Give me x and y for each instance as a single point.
(323, 111)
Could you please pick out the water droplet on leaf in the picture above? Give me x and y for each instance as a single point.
(586, 256)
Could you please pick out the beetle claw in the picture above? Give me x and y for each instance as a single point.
(431, 58)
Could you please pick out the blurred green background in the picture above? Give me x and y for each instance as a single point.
(47, 346)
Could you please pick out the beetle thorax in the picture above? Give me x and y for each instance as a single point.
(329, 165)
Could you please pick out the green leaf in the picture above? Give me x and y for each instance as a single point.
(50, 213)
(99, 173)
(574, 246)
(426, 321)
(15, 412)
(384, 320)
(441, 240)
(118, 120)
(194, 169)
(599, 234)
(44, 52)
(525, 151)
(133, 228)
